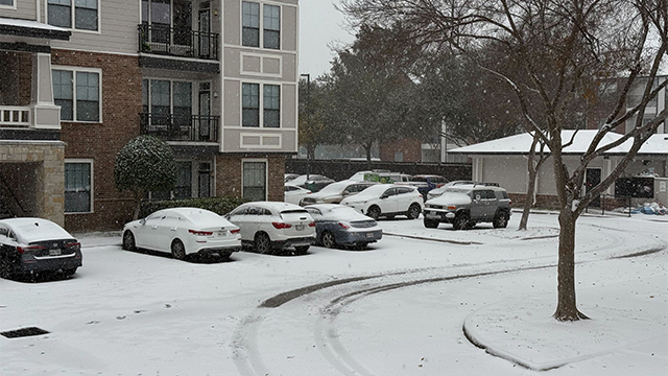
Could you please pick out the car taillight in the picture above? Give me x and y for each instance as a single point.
(312, 224)
(29, 249)
(75, 245)
(344, 225)
(510, 202)
(281, 225)
(235, 231)
(201, 233)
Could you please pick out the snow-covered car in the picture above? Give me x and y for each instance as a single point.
(289, 176)
(183, 231)
(312, 182)
(274, 226)
(439, 191)
(33, 245)
(387, 200)
(343, 225)
(335, 192)
(466, 205)
(293, 194)
(426, 183)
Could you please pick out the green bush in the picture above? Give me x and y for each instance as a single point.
(220, 205)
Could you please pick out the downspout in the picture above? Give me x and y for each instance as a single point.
(38, 13)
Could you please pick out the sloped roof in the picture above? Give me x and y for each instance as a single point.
(520, 144)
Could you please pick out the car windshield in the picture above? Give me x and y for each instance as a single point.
(344, 212)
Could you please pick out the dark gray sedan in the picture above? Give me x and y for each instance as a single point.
(29, 245)
(342, 225)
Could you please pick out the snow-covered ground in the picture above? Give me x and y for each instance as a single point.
(409, 305)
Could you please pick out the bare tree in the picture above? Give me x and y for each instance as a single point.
(565, 49)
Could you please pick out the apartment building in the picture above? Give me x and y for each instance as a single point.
(215, 79)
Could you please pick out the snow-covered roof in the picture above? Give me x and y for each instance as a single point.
(520, 144)
(29, 28)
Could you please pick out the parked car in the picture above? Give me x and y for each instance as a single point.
(466, 205)
(342, 225)
(312, 182)
(290, 176)
(293, 194)
(183, 231)
(362, 175)
(274, 226)
(387, 200)
(426, 183)
(335, 192)
(29, 245)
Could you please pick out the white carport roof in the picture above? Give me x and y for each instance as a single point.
(30, 28)
(520, 144)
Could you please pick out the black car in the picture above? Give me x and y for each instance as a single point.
(29, 245)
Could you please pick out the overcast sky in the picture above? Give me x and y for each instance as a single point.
(321, 25)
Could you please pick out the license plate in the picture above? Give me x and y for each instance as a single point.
(369, 234)
(435, 216)
(299, 227)
(222, 233)
(54, 252)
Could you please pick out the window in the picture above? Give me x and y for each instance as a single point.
(250, 104)
(250, 19)
(183, 180)
(272, 106)
(84, 12)
(254, 181)
(78, 187)
(164, 98)
(272, 26)
(78, 94)
(8, 3)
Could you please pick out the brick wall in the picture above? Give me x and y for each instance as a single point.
(410, 147)
(229, 178)
(121, 104)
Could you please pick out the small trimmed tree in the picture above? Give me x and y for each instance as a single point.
(145, 164)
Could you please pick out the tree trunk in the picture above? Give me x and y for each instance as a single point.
(310, 152)
(566, 304)
(528, 201)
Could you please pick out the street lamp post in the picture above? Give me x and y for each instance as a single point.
(308, 119)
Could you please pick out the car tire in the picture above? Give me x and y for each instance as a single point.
(374, 212)
(413, 211)
(500, 220)
(5, 268)
(328, 240)
(262, 243)
(302, 250)
(129, 241)
(428, 223)
(461, 222)
(178, 250)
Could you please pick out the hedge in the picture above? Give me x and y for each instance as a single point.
(220, 205)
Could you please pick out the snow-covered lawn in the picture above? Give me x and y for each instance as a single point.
(398, 308)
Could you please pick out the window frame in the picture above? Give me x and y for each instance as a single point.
(91, 191)
(266, 174)
(261, 105)
(74, 71)
(73, 21)
(261, 25)
(9, 6)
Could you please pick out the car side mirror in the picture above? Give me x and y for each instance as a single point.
(384, 197)
(142, 221)
(345, 193)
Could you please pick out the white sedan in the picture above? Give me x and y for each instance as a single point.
(183, 231)
(293, 194)
(387, 200)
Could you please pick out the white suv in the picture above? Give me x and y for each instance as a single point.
(274, 226)
(387, 200)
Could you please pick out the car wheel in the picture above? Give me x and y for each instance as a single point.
(5, 268)
(461, 221)
(262, 243)
(428, 223)
(373, 212)
(129, 241)
(413, 211)
(328, 240)
(178, 250)
(500, 220)
(302, 249)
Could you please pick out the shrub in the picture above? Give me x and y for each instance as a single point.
(219, 205)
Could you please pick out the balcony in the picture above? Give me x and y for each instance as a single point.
(171, 127)
(180, 42)
(15, 116)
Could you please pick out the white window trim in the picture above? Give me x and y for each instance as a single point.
(241, 25)
(266, 174)
(73, 28)
(13, 7)
(74, 70)
(92, 183)
(261, 72)
(241, 105)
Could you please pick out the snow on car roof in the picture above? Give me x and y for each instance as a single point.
(275, 205)
(195, 214)
(36, 229)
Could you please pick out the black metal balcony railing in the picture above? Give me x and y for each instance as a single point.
(171, 127)
(165, 40)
